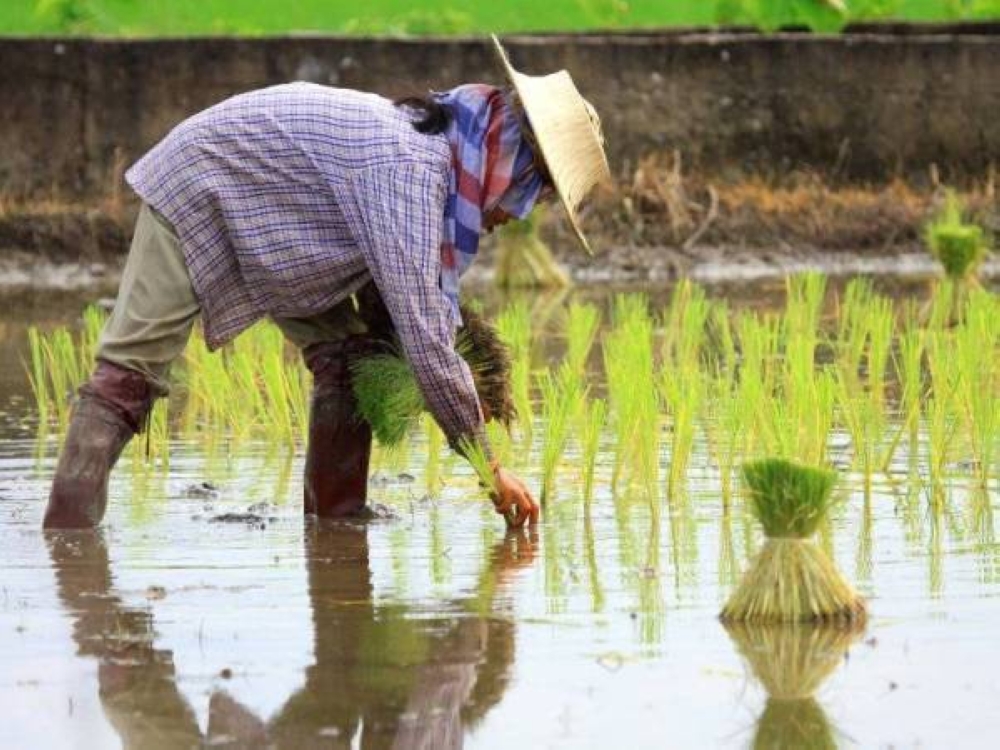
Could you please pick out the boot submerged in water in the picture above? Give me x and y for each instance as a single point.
(340, 442)
(112, 407)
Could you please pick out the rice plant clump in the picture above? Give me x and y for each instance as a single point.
(958, 246)
(388, 395)
(791, 579)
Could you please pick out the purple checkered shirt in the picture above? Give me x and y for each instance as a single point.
(288, 199)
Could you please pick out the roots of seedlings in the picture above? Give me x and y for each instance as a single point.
(792, 580)
(489, 360)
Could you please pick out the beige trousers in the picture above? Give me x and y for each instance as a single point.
(157, 308)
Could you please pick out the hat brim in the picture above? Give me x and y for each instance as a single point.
(567, 132)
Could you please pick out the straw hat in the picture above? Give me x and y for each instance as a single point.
(568, 132)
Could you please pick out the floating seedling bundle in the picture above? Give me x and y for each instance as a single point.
(791, 579)
(389, 398)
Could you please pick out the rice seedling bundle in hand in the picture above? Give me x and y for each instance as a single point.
(390, 400)
(791, 579)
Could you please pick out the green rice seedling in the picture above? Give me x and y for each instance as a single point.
(685, 325)
(65, 374)
(759, 344)
(881, 329)
(939, 311)
(942, 409)
(500, 442)
(388, 396)
(37, 377)
(514, 328)
(790, 579)
(720, 333)
(94, 319)
(523, 258)
(435, 448)
(978, 381)
(590, 437)
(582, 322)
(791, 663)
(866, 424)
(632, 392)
(909, 372)
(277, 388)
(682, 391)
(804, 304)
(854, 315)
(725, 420)
(475, 453)
(563, 398)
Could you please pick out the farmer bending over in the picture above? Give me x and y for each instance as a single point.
(283, 203)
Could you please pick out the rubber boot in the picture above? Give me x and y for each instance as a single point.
(340, 442)
(112, 407)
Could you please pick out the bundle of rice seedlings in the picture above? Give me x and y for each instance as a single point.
(791, 663)
(791, 579)
(523, 258)
(958, 246)
(389, 398)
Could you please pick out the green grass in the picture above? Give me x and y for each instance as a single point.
(254, 17)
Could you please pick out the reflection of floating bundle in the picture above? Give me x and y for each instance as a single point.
(791, 662)
(389, 398)
(791, 579)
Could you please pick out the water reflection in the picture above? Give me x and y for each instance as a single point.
(791, 662)
(382, 675)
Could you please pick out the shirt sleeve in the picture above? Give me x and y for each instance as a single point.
(396, 215)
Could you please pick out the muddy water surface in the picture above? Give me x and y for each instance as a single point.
(213, 615)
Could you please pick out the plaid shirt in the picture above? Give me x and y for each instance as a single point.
(288, 199)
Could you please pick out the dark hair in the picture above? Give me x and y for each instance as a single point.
(433, 117)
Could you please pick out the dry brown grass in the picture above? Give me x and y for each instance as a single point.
(662, 205)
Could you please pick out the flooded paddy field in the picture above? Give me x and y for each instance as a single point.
(207, 612)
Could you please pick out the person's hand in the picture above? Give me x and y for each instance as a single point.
(512, 499)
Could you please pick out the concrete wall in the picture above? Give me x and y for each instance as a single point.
(863, 105)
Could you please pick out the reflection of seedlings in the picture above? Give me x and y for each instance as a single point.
(791, 579)
(791, 662)
(590, 437)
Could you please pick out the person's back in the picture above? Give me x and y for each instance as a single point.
(264, 190)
